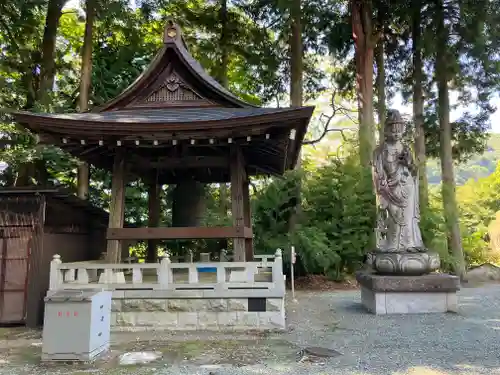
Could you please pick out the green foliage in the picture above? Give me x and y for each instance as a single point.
(433, 228)
(337, 218)
(336, 222)
(272, 207)
(475, 167)
(479, 203)
(125, 40)
(339, 201)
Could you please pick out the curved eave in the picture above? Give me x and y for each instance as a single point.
(158, 64)
(78, 125)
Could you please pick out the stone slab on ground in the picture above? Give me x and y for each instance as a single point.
(434, 293)
(139, 358)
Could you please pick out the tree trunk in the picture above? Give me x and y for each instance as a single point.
(224, 41)
(380, 83)
(365, 41)
(224, 81)
(86, 72)
(42, 94)
(296, 55)
(54, 11)
(83, 179)
(296, 85)
(26, 170)
(447, 173)
(418, 105)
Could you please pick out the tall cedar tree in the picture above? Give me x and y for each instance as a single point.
(365, 38)
(447, 172)
(83, 177)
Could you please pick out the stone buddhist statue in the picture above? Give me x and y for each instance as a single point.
(400, 249)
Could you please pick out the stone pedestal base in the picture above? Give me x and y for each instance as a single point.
(407, 264)
(435, 293)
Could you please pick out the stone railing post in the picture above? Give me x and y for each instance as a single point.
(193, 277)
(56, 275)
(164, 277)
(278, 277)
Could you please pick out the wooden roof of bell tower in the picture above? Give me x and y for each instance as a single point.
(177, 122)
(173, 79)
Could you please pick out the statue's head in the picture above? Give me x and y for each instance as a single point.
(395, 127)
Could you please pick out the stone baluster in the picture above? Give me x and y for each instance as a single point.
(82, 276)
(221, 274)
(267, 260)
(136, 276)
(107, 276)
(278, 277)
(251, 271)
(56, 275)
(193, 274)
(69, 275)
(165, 277)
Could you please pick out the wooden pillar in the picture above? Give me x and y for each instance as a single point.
(153, 219)
(237, 171)
(83, 180)
(117, 205)
(247, 219)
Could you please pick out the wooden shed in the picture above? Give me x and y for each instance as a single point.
(35, 224)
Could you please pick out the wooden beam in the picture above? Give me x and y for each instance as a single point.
(188, 162)
(237, 174)
(178, 233)
(117, 205)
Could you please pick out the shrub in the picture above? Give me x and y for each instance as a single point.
(335, 226)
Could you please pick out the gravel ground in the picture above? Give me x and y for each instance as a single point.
(429, 344)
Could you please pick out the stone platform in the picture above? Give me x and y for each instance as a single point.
(149, 311)
(433, 293)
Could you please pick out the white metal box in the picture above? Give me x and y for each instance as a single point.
(76, 325)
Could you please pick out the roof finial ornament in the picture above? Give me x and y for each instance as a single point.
(172, 32)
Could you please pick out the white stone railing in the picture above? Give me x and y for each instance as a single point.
(266, 260)
(229, 276)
